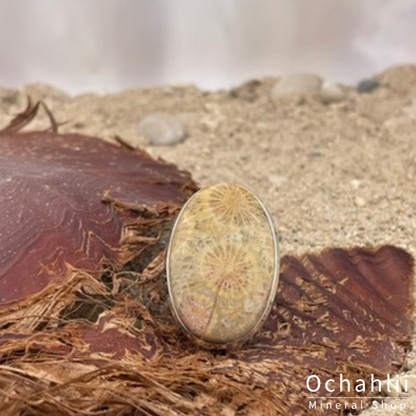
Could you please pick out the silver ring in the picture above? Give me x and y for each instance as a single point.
(222, 266)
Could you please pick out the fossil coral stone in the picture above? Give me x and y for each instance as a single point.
(222, 265)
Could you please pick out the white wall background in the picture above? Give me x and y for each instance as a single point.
(108, 45)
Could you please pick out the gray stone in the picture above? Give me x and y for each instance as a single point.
(331, 93)
(296, 84)
(368, 85)
(161, 129)
(10, 97)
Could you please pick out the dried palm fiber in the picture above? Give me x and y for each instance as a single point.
(85, 327)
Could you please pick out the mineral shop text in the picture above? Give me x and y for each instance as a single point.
(374, 389)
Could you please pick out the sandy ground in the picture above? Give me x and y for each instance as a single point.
(341, 174)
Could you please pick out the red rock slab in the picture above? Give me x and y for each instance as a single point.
(56, 203)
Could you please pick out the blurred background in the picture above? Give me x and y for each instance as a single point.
(109, 45)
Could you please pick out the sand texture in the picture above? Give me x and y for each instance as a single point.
(332, 175)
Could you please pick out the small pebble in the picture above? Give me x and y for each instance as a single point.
(277, 180)
(360, 202)
(331, 93)
(296, 84)
(368, 85)
(162, 129)
(10, 97)
(355, 183)
(247, 91)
